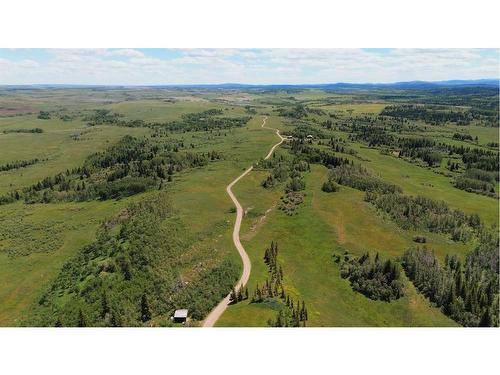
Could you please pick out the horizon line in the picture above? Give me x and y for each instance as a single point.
(478, 80)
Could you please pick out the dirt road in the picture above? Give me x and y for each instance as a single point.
(247, 265)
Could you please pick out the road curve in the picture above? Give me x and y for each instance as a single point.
(247, 265)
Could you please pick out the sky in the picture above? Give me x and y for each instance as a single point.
(130, 66)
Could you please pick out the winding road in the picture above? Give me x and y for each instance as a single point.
(247, 265)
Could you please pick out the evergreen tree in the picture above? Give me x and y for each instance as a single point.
(104, 305)
(145, 309)
(82, 320)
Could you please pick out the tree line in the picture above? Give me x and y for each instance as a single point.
(467, 293)
(432, 115)
(18, 164)
(30, 130)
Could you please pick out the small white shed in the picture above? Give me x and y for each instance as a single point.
(180, 316)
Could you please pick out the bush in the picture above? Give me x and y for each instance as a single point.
(420, 239)
(44, 115)
(330, 187)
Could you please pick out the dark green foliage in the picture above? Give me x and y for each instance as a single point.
(330, 186)
(282, 169)
(359, 178)
(130, 167)
(463, 137)
(420, 239)
(475, 186)
(480, 159)
(375, 279)
(205, 293)
(30, 130)
(478, 181)
(202, 121)
(290, 315)
(205, 121)
(273, 286)
(421, 148)
(102, 116)
(297, 183)
(290, 170)
(340, 145)
(250, 110)
(145, 309)
(297, 111)
(238, 295)
(314, 155)
(301, 131)
(132, 277)
(466, 293)
(290, 202)
(425, 213)
(432, 114)
(124, 187)
(18, 164)
(371, 134)
(44, 115)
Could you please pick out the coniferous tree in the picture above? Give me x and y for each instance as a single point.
(82, 320)
(145, 309)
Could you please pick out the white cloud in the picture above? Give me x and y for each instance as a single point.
(132, 66)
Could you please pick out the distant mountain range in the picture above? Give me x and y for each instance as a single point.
(324, 86)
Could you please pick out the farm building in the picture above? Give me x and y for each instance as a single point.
(180, 316)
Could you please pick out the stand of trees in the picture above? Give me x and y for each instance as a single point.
(273, 286)
(132, 278)
(375, 279)
(297, 111)
(129, 167)
(358, 177)
(202, 121)
(432, 153)
(18, 164)
(291, 314)
(44, 115)
(314, 155)
(289, 170)
(31, 130)
(467, 293)
(433, 115)
(301, 131)
(425, 213)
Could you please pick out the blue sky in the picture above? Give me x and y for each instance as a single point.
(136, 66)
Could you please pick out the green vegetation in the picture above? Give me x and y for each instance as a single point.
(113, 207)
(467, 293)
(375, 279)
(425, 213)
(289, 314)
(131, 277)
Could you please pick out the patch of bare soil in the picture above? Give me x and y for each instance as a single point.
(259, 222)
